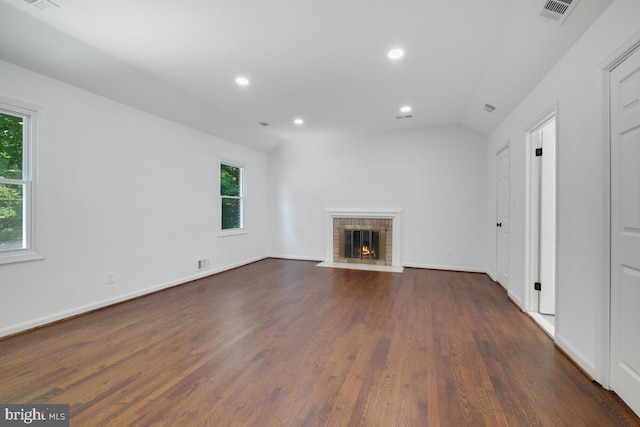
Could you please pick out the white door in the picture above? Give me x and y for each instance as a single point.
(548, 219)
(625, 231)
(503, 188)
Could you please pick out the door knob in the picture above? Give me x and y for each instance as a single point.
(499, 224)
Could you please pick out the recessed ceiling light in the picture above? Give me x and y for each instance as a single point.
(242, 81)
(405, 109)
(298, 121)
(396, 53)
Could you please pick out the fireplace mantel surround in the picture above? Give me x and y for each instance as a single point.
(393, 214)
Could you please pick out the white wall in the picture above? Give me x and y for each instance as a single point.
(119, 191)
(436, 176)
(576, 85)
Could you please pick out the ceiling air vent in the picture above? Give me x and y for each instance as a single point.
(489, 108)
(558, 10)
(42, 4)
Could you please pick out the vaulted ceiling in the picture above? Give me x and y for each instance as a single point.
(323, 61)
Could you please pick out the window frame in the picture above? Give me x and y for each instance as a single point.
(222, 232)
(28, 181)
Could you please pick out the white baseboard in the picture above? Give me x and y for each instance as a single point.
(491, 275)
(296, 258)
(517, 301)
(42, 321)
(546, 326)
(399, 268)
(587, 365)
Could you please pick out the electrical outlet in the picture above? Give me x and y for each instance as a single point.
(203, 264)
(111, 278)
(449, 253)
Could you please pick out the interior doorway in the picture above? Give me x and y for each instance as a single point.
(543, 184)
(624, 204)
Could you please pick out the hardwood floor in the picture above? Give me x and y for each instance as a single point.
(285, 343)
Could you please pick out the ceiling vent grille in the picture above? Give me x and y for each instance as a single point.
(557, 10)
(42, 4)
(489, 108)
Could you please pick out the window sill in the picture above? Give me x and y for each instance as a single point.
(233, 232)
(19, 256)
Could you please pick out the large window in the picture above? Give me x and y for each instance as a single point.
(232, 194)
(16, 207)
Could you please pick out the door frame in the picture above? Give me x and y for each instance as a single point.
(603, 338)
(504, 146)
(532, 236)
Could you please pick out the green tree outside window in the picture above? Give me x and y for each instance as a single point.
(11, 194)
(231, 196)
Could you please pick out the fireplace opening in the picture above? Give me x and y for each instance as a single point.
(362, 244)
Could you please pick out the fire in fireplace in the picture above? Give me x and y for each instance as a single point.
(363, 244)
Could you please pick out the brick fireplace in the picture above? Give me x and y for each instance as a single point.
(363, 238)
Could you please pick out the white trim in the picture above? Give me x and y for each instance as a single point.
(543, 323)
(490, 274)
(296, 257)
(229, 162)
(531, 234)
(232, 232)
(243, 198)
(368, 267)
(517, 301)
(541, 119)
(620, 54)
(395, 214)
(30, 167)
(530, 296)
(20, 256)
(41, 321)
(586, 364)
(374, 267)
(505, 146)
(603, 335)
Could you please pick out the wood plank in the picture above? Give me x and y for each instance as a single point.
(284, 343)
